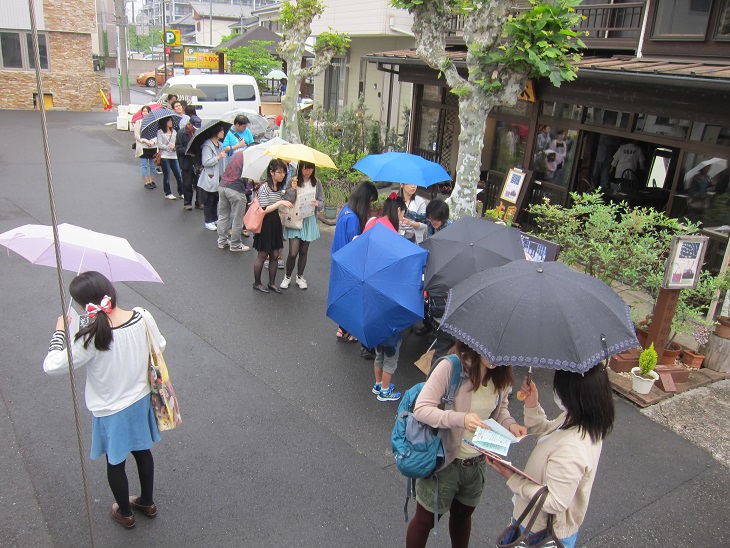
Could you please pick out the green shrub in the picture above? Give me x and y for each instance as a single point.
(647, 361)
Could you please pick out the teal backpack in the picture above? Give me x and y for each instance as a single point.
(417, 447)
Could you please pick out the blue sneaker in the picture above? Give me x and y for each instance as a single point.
(388, 395)
(377, 387)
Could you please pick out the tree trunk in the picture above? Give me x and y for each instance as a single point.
(289, 130)
(473, 111)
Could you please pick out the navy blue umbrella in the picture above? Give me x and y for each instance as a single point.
(539, 314)
(401, 167)
(375, 288)
(151, 121)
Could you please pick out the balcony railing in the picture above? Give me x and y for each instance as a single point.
(609, 26)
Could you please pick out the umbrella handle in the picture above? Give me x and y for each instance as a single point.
(528, 379)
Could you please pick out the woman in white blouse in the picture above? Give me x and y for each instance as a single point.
(413, 227)
(115, 350)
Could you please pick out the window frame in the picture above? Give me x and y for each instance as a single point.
(25, 58)
(664, 37)
(716, 36)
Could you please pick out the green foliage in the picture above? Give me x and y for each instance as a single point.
(540, 42)
(335, 193)
(140, 42)
(228, 37)
(253, 59)
(629, 245)
(339, 42)
(292, 15)
(375, 145)
(647, 361)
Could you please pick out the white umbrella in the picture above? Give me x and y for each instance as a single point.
(82, 250)
(716, 166)
(276, 74)
(255, 159)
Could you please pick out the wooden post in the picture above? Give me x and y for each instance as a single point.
(661, 323)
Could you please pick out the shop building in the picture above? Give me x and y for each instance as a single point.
(650, 98)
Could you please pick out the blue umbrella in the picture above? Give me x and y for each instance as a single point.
(401, 167)
(151, 121)
(375, 289)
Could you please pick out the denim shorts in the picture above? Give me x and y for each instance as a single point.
(146, 167)
(463, 483)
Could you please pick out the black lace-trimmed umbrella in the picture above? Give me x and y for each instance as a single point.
(540, 315)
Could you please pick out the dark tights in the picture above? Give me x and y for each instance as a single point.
(258, 266)
(459, 526)
(117, 477)
(297, 247)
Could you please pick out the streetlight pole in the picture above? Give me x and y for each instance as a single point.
(120, 15)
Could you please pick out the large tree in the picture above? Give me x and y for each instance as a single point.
(503, 51)
(296, 27)
(253, 58)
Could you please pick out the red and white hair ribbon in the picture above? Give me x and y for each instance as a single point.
(105, 306)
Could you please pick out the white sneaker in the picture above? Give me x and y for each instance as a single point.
(301, 282)
(170, 197)
(240, 248)
(224, 245)
(285, 282)
(211, 226)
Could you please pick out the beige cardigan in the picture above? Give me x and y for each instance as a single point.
(452, 421)
(566, 462)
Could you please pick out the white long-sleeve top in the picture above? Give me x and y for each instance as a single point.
(115, 378)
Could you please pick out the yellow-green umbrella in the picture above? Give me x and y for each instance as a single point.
(301, 153)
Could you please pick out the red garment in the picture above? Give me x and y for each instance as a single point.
(382, 220)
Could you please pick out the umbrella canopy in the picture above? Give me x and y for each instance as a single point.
(375, 285)
(255, 159)
(81, 250)
(151, 122)
(186, 91)
(258, 125)
(401, 167)
(539, 314)
(276, 74)
(204, 133)
(716, 166)
(465, 247)
(301, 153)
(138, 115)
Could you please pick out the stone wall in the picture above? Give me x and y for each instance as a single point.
(71, 78)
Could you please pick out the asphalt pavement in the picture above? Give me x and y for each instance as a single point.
(282, 442)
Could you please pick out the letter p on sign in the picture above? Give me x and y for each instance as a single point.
(171, 37)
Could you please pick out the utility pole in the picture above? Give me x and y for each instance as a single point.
(164, 46)
(210, 19)
(120, 14)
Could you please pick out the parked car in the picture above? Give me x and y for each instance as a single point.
(223, 93)
(148, 78)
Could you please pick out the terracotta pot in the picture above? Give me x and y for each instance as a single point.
(623, 362)
(722, 329)
(692, 359)
(670, 354)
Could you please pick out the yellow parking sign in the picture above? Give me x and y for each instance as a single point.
(171, 37)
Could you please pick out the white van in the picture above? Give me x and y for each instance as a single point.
(223, 93)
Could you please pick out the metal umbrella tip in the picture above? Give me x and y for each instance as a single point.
(539, 268)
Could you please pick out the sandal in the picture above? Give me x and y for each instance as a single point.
(149, 186)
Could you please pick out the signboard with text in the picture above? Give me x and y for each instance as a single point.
(171, 37)
(199, 59)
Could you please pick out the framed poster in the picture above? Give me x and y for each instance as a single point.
(513, 185)
(685, 262)
(537, 249)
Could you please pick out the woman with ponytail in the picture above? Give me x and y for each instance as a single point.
(394, 210)
(115, 350)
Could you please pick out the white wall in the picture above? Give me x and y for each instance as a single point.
(16, 15)
(220, 29)
(362, 18)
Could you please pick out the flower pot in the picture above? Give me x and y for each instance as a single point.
(623, 362)
(692, 359)
(670, 354)
(722, 329)
(639, 384)
(330, 212)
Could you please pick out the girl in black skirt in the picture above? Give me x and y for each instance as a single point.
(271, 238)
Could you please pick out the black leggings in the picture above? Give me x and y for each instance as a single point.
(258, 266)
(119, 485)
(297, 247)
(459, 526)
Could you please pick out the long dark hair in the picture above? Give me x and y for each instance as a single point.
(91, 287)
(274, 165)
(360, 201)
(588, 399)
(390, 209)
(300, 173)
(501, 376)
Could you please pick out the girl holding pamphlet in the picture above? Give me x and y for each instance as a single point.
(481, 395)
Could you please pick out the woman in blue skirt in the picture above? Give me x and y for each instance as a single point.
(300, 238)
(115, 350)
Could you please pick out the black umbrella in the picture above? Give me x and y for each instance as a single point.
(209, 129)
(467, 246)
(151, 121)
(539, 314)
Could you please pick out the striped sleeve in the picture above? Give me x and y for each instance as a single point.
(58, 341)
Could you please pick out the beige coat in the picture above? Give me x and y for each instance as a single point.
(452, 421)
(141, 143)
(564, 461)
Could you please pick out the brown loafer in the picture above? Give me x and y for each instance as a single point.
(126, 521)
(149, 511)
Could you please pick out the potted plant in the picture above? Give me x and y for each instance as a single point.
(694, 359)
(722, 329)
(334, 198)
(644, 376)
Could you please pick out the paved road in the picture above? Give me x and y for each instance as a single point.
(282, 443)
